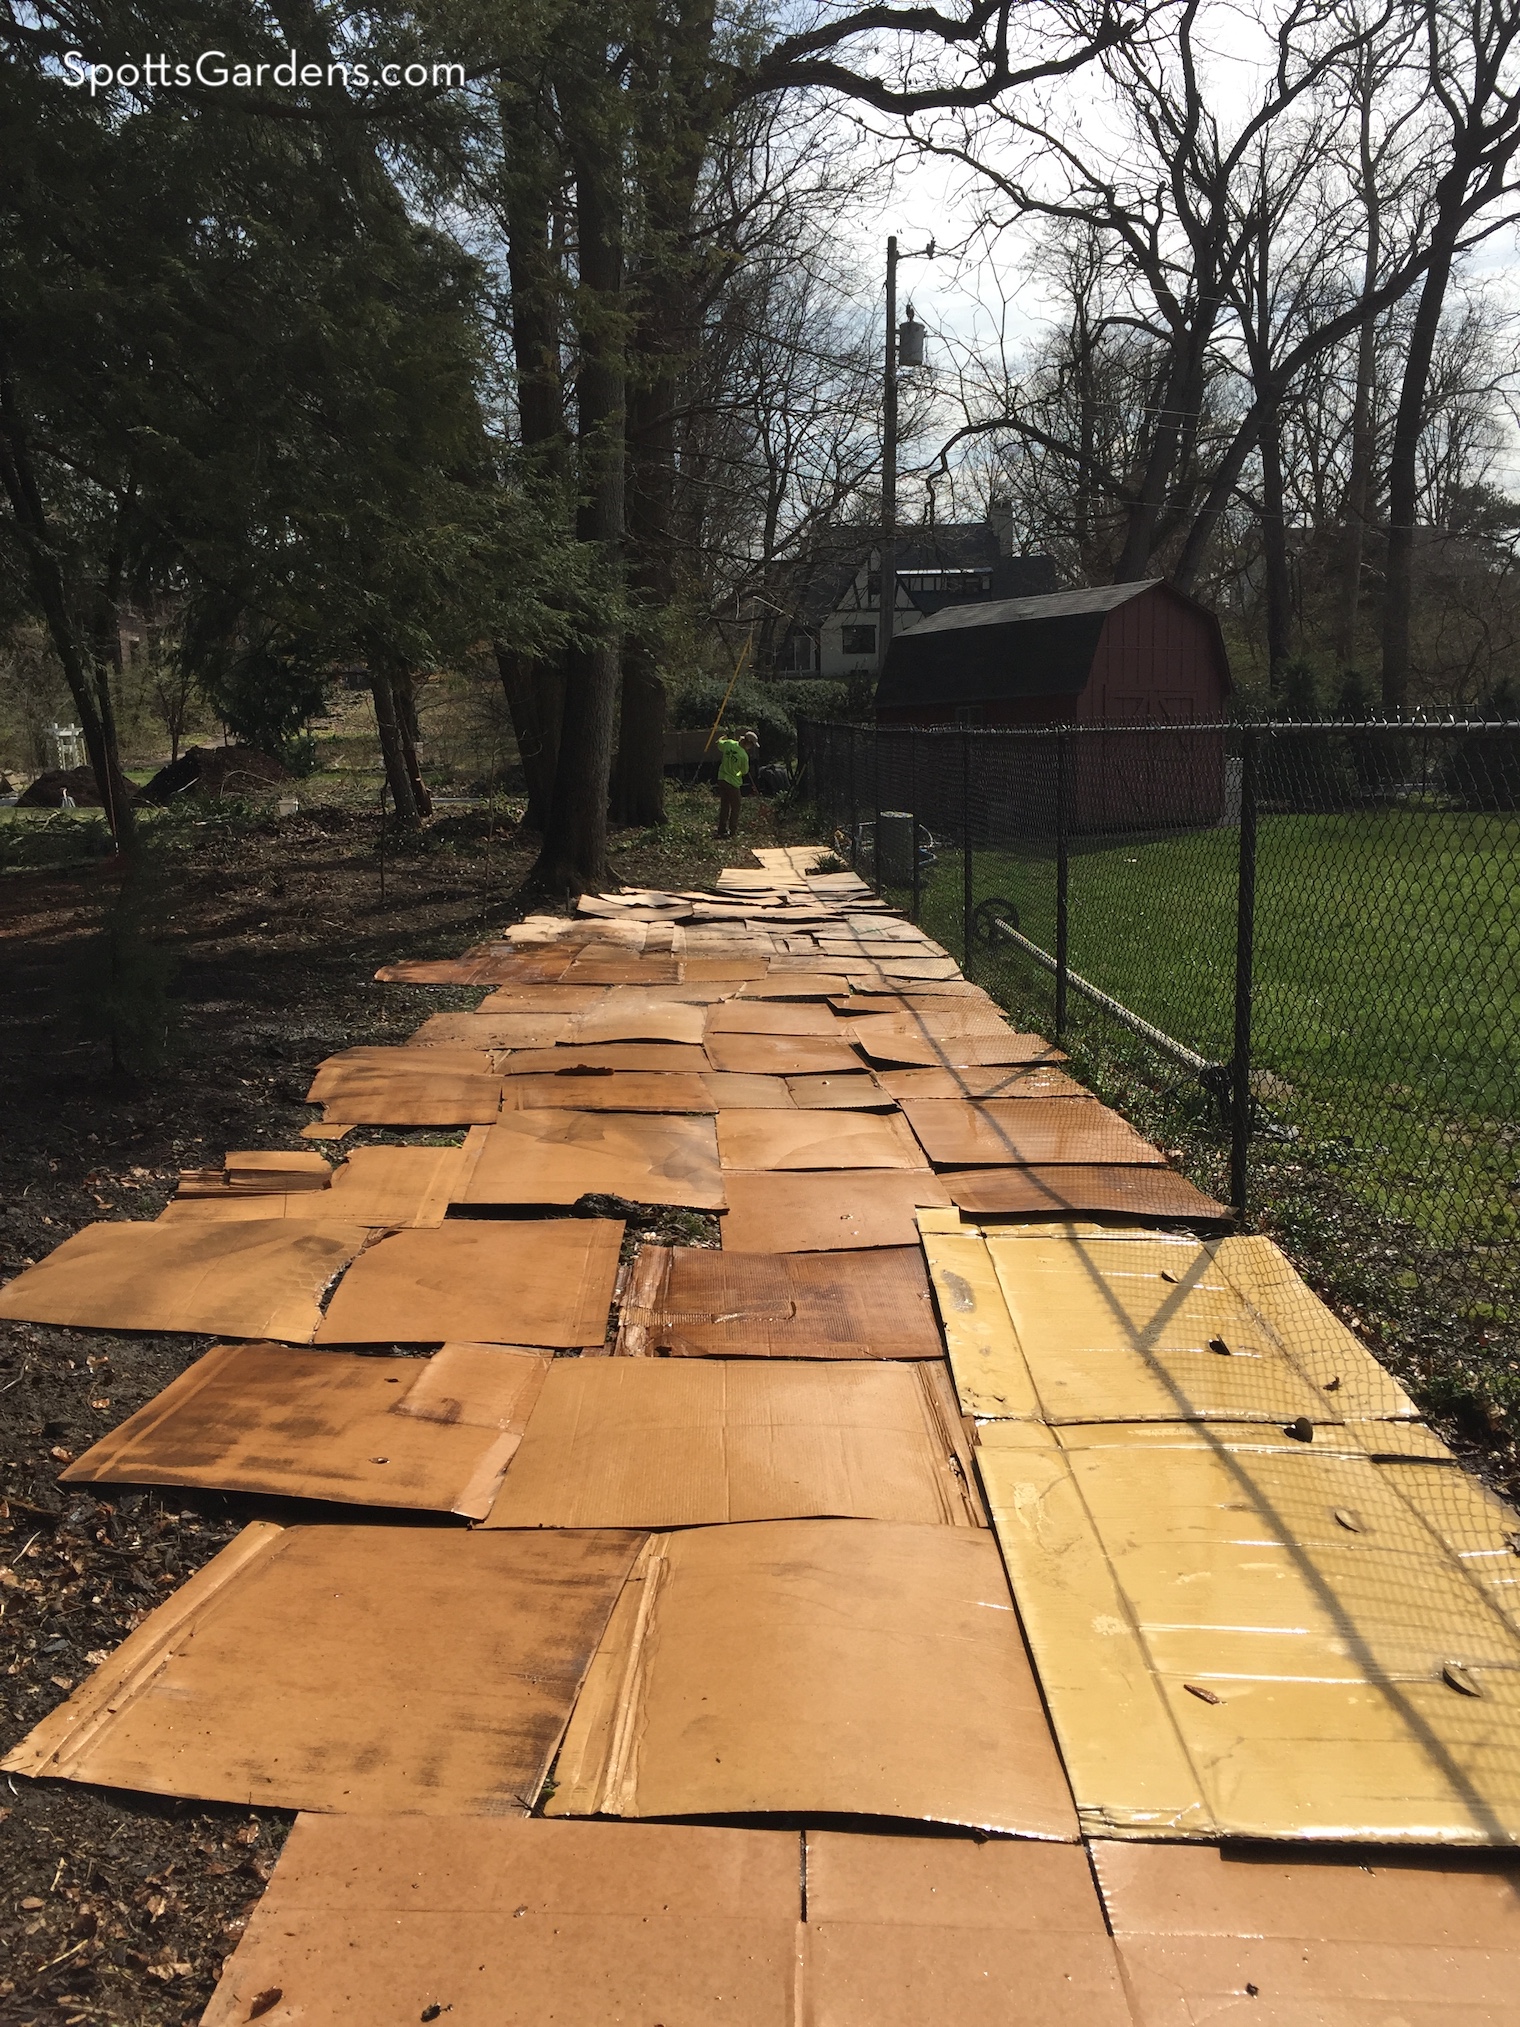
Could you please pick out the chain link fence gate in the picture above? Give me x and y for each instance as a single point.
(1290, 952)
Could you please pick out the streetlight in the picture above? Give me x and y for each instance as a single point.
(905, 347)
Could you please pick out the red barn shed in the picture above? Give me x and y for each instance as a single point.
(1119, 654)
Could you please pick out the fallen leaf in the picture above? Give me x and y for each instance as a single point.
(63, 1456)
(1301, 1429)
(1347, 1520)
(1217, 1344)
(1455, 1676)
(264, 2002)
(1203, 1695)
(1333, 1385)
(32, 1902)
(60, 1682)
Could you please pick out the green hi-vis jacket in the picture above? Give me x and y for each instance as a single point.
(734, 763)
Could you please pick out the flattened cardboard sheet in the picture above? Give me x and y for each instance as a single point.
(679, 1056)
(429, 1433)
(515, 999)
(1137, 1329)
(381, 1187)
(408, 1087)
(370, 1921)
(1313, 1335)
(554, 1157)
(1079, 1187)
(484, 1280)
(690, 1301)
(772, 1017)
(810, 1139)
(743, 1091)
(816, 1665)
(622, 971)
(784, 985)
(1240, 1634)
(850, 1091)
(1362, 1939)
(621, 1442)
(1026, 1132)
(350, 1669)
(832, 1210)
(983, 1080)
(265, 1278)
(598, 1090)
(1474, 1524)
(625, 1018)
(781, 1055)
(905, 1931)
(897, 1045)
(495, 1031)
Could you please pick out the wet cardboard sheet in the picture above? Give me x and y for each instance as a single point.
(781, 1055)
(349, 1669)
(1026, 1132)
(689, 1301)
(1241, 1634)
(371, 1921)
(909, 1931)
(408, 1086)
(826, 1211)
(621, 1442)
(816, 1665)
(483, 1280)
(1351, 1939)
(430, 1433)
(261, 1279)
(554, 1157)
(1081, 1187)
(811, 1139)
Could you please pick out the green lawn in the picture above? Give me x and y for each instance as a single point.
(1387, 1017)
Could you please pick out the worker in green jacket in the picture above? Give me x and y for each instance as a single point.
(733, 766)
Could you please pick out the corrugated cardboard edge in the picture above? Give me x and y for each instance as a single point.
(951, 1440)
(597, 1770)
(66, 1733)
(643, 1299)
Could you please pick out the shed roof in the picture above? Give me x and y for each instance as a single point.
(1000, 649)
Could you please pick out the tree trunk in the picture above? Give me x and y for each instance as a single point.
(92, 698)
(1403, 467)
(1274, 541)
(406, 724)
(397, 773)
(532, 689)
(534, 685)
(574, 854)
(1359, 478)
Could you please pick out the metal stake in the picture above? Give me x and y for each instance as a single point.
(1245, 958)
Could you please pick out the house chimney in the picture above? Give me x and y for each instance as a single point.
(1000, 517)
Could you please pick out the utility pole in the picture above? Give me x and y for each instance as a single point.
(905, 347)
(887, 596)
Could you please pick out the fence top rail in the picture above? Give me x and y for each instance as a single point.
(1273, 727)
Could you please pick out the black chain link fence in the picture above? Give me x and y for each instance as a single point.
(1289, 952)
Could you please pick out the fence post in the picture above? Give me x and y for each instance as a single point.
(1062, 817)
(876, 805)
(1245, 936)
(854, 833)
(966, 879)
(913, 811)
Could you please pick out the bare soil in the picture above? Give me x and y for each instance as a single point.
(119, 1908)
